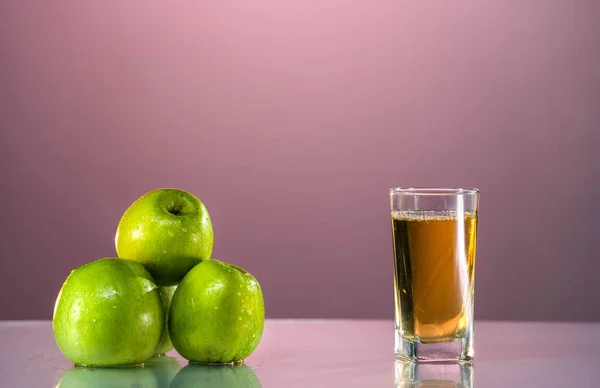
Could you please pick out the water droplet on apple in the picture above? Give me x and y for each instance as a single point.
(94, 320)
(171, 233)
(164, 251)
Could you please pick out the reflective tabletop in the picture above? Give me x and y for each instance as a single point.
(327, 353)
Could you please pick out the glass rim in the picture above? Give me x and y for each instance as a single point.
(437, 191)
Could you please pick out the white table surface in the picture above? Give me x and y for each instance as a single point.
(338, 353)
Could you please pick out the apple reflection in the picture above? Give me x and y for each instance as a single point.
(216, 376)
(413, 375)
(164, 368)
(80, 377)
(161, 372)
(158, 372)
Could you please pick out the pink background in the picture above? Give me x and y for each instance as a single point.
(291, 120)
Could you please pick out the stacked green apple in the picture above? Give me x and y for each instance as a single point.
(162, 291)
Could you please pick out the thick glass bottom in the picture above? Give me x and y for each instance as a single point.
(460, 350)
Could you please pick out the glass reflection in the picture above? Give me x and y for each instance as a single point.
(216, 376)
(414, 375)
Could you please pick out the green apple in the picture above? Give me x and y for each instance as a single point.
(167, 230)
(108, 312)
(164, 368)
(165, 343)
(80, 377)
(217, 314)
(216, 376)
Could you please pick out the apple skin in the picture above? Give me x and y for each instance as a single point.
(80, 377)
(217, 314)
(165, 343)
(216, 376)
(108, 313)
(169, 231)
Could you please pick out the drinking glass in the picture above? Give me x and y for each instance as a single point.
(434, 236)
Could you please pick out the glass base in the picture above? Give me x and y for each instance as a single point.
(446, 352)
